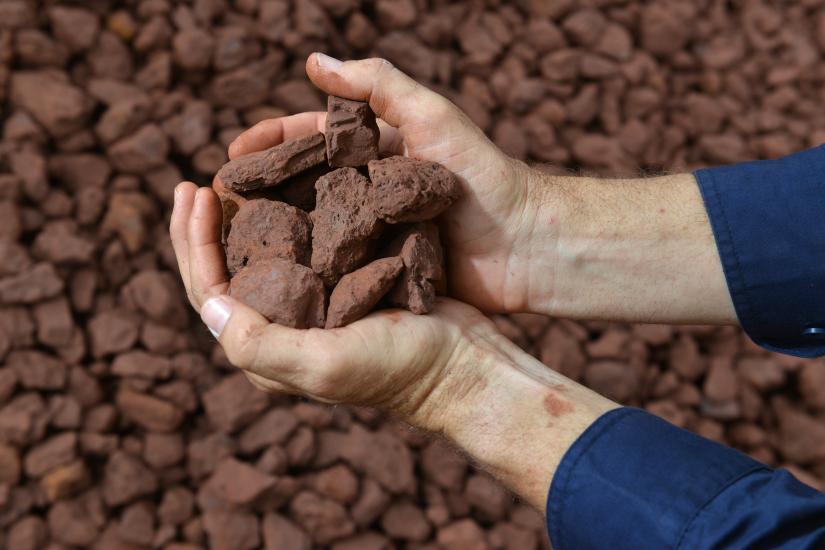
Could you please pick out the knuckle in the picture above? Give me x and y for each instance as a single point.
(243, 351)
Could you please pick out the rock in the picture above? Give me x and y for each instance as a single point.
(273, 428)
(280, 533)
(357, 293)
(420, 250)
(238, 483)
(285, 293)
(49, 97)
(411, 190)
(403, 520)
(57, 450)
(263, 230)
(149, 412)
(140, 152)
(33, 284)
(36, 370)
(229, 530)
(344, 223)
(351, 133)
(65, 480)
(233, 403)
(112, 331)
(274, 165)
(126, 478)
(325, 520)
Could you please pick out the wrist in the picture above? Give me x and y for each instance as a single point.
(520, 418)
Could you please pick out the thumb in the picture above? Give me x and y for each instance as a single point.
(393, 96)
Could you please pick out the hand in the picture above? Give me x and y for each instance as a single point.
(489, 232)
(449, 372)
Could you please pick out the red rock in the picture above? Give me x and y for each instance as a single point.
(411, 190)
(75, 27)
(126, 478)
(337, 483)
(351, 133)
(488, 497)
(811, 384)
(382, 456)
(263, 230)
(324, 519)
(585, 27)
(420, 249)
(280, 533)
(443, 465)
(274, 165)
(763, 373)
(285, 293)
(238, 483)
(141, 151)
(344, 223)
(801, 436)
(176, 506)
(65, 480)
(273, 428)
(54, 102)
(404, 520)
(28, 533)
(9, 465)
(33, 284)
(616, 380)
(372, 501)
(357, 293)
(37, 370)
(149, 412)
(233, 403)
(137, 524)
(301, 447)
(71, 522)
(55, 451)
(231, 530)
(162, 450)
(193, 48)
(364, 541)
(112, 331)
(464, 534)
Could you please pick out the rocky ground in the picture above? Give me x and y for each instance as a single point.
(122, 426)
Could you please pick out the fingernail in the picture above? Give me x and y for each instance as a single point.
(215, 313)
(328, 63)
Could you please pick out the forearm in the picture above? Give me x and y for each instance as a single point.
(522, 419)
(638, 250)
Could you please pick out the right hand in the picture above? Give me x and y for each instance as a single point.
(489, 231)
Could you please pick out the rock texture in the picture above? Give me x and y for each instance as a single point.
(285, 293)
(351, 133)
(359, 291)
(274, 165)
(411, 190)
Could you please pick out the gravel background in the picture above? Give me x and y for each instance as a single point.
(122, 426)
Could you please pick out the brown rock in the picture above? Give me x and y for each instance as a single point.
(382, 456)
(55, 451)
(149, 412)
(137, 524)
(112, 331)
(404, 520)
(36, 283)
(273, 428)
(337, 483)
(420, 249)
(488, 497)
(233, 403)
(358, 292)
(280, 533)
(238, 483)
(36, 370)
(344, 223)
(285, 293)
(126, 478)
(274, 165)
(9, 465)
(351, 133)
(411, 190)
(464, 534)
(72, 522)
(176, 506)
(325, 520)
(231, 530)
(263, 230)
(28, 533)
(443, 465)
(65, 480)
(141, 151)
(49, 97)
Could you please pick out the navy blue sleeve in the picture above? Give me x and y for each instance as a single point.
(768, 219)
(633, 481)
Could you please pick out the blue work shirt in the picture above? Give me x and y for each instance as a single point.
(632, 480)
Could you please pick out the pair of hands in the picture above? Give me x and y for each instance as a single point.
(410, 365)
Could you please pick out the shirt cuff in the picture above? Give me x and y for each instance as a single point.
(633, 480)
(767, 219)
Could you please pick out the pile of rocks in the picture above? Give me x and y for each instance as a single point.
(120, 419)
(300, 218)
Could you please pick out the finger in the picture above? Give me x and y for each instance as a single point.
(252, 343)
(207, 265)
(184, 198)
(394, 96)
(272, 132)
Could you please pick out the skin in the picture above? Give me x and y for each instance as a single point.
(519, 240)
